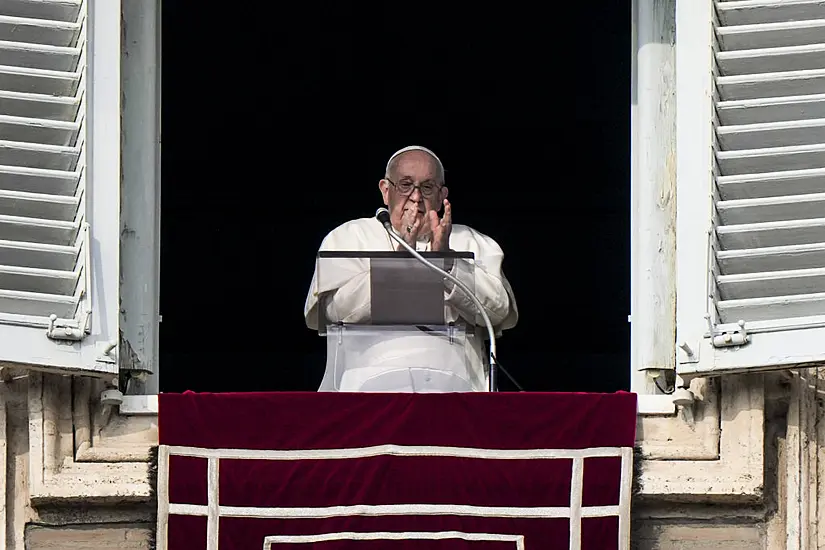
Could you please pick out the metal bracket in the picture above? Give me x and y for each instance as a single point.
(728, 337)
(106, 352)
(689, 354)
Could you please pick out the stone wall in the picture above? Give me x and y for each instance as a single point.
(77, 472)
(742, 469)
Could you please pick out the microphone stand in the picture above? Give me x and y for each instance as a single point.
(493, 378)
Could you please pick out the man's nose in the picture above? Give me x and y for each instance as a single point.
(416, 194)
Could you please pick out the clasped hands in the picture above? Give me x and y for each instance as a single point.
(440, 228)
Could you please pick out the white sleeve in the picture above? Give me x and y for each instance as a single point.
(350, 303)
(346, 290)
(491, 288)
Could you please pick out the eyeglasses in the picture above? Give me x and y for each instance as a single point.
(406, 188)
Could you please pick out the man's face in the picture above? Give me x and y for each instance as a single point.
(418, 169)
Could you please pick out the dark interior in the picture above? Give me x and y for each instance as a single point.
(278, 129)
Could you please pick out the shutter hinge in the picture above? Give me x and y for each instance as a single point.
(62, 331)
(728, 335)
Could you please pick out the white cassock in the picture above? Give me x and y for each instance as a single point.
(409, 362)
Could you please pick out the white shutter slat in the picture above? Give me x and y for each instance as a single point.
(771, 35)
(775, 258)
(53, 10)
(769, 159)
(38, 130)
(764, 135)
(770, 60)
(768, 309)
(46, 281)
(36, 230)
(771, 284)
(771, 209)
(770, 153)
(38, 81)
(38, 155)
(38, 180)
(749, 12)
(769, 109)
(779, 84)
(38, 205)
(771, 184)
(38, 56)
(769, 234)
(49, 107)
(38, 31)
(38, 255)
(38, 304)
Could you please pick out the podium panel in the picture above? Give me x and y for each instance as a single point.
(389, 324)
(422, 359)
(396, 288)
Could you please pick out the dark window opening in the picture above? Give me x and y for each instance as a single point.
(279, 130)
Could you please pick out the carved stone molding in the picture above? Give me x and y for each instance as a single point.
(737, 474)
(82, 450)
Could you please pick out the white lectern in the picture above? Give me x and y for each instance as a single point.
(398, 332)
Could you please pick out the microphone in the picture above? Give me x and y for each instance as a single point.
(383, 216)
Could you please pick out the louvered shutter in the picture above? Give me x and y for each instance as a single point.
(50, 315)
(765, 266)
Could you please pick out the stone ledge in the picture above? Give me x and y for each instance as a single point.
(82, 513)
(89, 537)
(99, 483)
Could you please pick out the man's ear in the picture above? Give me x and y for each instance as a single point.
(384, 187)
(444, 193)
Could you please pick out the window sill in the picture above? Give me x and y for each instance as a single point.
(655, 405)
(144, 405)
(139, 405)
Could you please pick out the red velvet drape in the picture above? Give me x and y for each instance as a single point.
(470, 495)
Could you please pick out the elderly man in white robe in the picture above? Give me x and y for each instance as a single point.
(414, 191)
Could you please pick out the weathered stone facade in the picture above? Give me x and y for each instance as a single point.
(744, 472)
(740, 470)
(77, 472)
